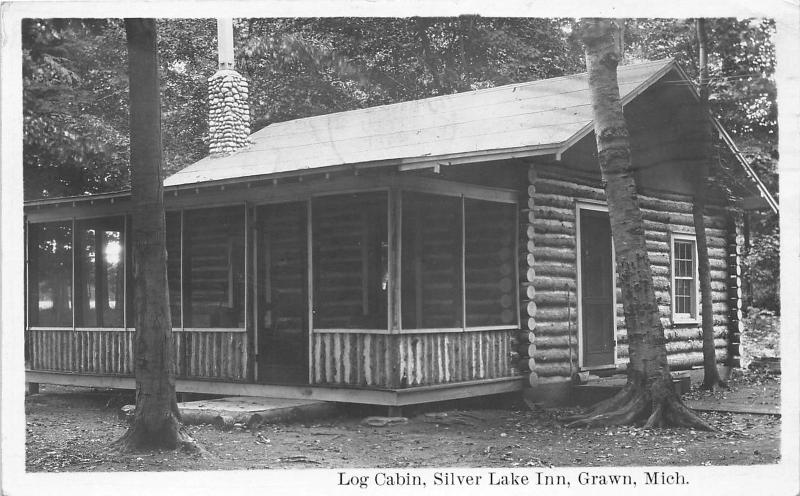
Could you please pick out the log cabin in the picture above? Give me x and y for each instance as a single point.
(442, 248)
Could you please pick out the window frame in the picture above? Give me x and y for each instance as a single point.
(312, 275)
(81, 226)
(681, 317)
(494, 195)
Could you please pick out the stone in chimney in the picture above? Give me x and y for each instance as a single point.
(228, 110)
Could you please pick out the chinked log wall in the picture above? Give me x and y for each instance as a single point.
(548, 347)
(198, 354)
(405, 360)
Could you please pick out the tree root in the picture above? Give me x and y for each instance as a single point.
(172, 436)
(606, 405)
(634, 404)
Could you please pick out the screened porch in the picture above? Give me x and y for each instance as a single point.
(390, 284)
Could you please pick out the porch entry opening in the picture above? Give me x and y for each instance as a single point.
(282, 293)
(596, 289)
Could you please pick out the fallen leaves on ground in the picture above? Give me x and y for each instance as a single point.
(69, 429)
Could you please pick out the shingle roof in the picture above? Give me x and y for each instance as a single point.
(527, 118)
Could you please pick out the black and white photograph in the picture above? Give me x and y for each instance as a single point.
(361, 247)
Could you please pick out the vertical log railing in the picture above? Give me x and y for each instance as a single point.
(219, 354)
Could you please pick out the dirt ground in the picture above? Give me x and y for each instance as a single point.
(69, 429)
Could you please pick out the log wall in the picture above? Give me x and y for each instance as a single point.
(197, 354)
(413, 359)
(548, 343)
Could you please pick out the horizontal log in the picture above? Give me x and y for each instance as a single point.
(658, 259)
(557, 269)
(692, 345)
(555, 328)
(548, 355)
(544, 341)
(661, 283)
(719, 264)
(660, 271)
(549, 200)
(555, 298)
(555, 314)
(658, 204)
(542, 283)
(693, 358)
(570, 189)
(719, 275)
(551, 213)
(657, 246)
(563, 369)
(547, 226)
(556, 240)
(546, 253)
(679, 333)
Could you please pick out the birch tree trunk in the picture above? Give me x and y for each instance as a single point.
(648, 393)
(711, 376)
(156, 423)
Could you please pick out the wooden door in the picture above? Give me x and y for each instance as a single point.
(282, 294)
(597, 289)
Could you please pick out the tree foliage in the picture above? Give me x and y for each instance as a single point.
(74, 108)
(76, 94)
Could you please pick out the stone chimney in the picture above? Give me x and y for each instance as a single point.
(228, 110)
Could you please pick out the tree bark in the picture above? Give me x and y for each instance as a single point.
(711, 376)
(156, 423)
(648, 394)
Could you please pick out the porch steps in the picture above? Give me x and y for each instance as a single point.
(251, 410)
(599, 388)
(232, 411)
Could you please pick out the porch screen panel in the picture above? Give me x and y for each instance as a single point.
(99, 273)
(50, 274)
(431, 261)
(489, 270)
(350, 250)
(213, 268)
(174, 266)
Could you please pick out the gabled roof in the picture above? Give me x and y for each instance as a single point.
(523, 119)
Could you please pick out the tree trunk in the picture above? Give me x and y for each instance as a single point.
(648, 394)
(711, 376)
(156, 423)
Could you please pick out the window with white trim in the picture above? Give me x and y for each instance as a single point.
(684, 278)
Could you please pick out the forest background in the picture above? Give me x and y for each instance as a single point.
(75, 88)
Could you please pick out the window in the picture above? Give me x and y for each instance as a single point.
(173, 240)
(351, 260)
(99, 272)
(490, 260)
(213, 268)
(684, 278)
(50, 274)
(458, 262)
(431, 261)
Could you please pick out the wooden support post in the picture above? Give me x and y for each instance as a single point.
(394, 411)
(32, 388)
